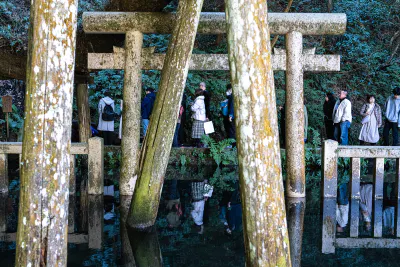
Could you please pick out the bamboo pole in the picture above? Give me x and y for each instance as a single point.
(45, 164)
(158, 141)
(130, 143)
(265, 229)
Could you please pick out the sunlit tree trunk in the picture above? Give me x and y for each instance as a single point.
(158, 141)
(264, 216)
(45, 166)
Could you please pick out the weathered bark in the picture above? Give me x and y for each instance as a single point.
(158, 141)
(145, 247)
(295, 161)
(265, 230)
(82, 101)
(130, 143)
(43, 212)
(295, 218)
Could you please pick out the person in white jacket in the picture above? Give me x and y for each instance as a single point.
(199, 116)
(342, 118)
(106, 128)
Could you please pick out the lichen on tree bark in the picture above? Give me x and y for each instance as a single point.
(43, 212)
(264, 216)
(158, 141)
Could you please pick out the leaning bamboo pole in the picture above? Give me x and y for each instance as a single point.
(45, 165)
(264, 216)
(158, 141)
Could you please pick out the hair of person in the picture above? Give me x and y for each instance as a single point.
(202, 84)
(149, 89)
(198, 92)
(331, 97)
(396, 91)
(369, 97)
(228, 86)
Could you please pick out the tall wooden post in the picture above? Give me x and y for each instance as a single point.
(130, 143)
(296, 175)
(82, 102)
(158, 141)
(43, 211)
(265, 229)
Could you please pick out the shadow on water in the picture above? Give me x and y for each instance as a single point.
(98, 236)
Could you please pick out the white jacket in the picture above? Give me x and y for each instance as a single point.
(342, 111)
(199, 109)
(105, 125)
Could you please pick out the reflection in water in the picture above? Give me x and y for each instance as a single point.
(145, 247)
(295, 219)
(126, 250)
(96, 221)
(201, 191)
(3, 212)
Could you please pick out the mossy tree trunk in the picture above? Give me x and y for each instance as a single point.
(158, 141)
(264, 216)
(43, 212)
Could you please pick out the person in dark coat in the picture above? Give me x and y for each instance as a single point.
(207, 100)
(146, 108)
(329, 105)
(231, 125)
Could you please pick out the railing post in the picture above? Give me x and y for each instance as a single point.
(3, 212)
(329, 168)
(3, 173)
(96, 166)
(355, 196)
(96, 221)
(377, 203)
(397, 206)
(72, 184)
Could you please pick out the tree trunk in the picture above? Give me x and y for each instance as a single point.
(265, 230)
(158, 141)
(82, 101)
(130, 143)
(146, 247)
(43, 212)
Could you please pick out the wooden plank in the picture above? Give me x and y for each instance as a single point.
(72, 238)
(330, 169)
(328, 225)
(397, 206)
(16, 148)
(368, 152)
(79, 148)
(367, 243)
(210, 22)
(377, 205)
(96, 166)
(3, 173)
(355, 197)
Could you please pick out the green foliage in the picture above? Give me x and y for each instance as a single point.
(220, 151)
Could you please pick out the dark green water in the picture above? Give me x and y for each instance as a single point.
(183, 245)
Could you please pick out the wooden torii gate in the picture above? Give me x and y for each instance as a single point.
(294, 61)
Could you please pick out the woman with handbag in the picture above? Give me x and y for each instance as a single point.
(372, 120)
(199, 116)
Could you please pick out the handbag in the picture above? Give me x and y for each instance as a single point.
(208, 127)
(366, 119)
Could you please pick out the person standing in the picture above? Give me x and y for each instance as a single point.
(372, 120)
(146, 108)
(199, 116)
(207, 100)
(342, 118)
(329, 106)
(231, 115)
(175, 142)
(392, 122)
(106, 119)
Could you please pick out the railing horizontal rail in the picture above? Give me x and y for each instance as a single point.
(367, 243)
(368, 152)
(16, 148)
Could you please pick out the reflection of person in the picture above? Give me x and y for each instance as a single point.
(234, 210)
(392, 114)
(201, 191)
(174, 205)
(342, 118)
(120, 123)
(342, 208)
(329, 105)
(372, 120)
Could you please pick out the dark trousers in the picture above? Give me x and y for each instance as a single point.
(175, 143)
(329, 129)
(386, 130)
(108, 137)
(225, 120)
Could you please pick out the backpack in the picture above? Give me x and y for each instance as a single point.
(108, 113)
(224, 107)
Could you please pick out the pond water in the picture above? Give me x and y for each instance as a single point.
(102, 240)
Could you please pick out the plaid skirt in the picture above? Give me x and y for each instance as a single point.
(197, 129)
